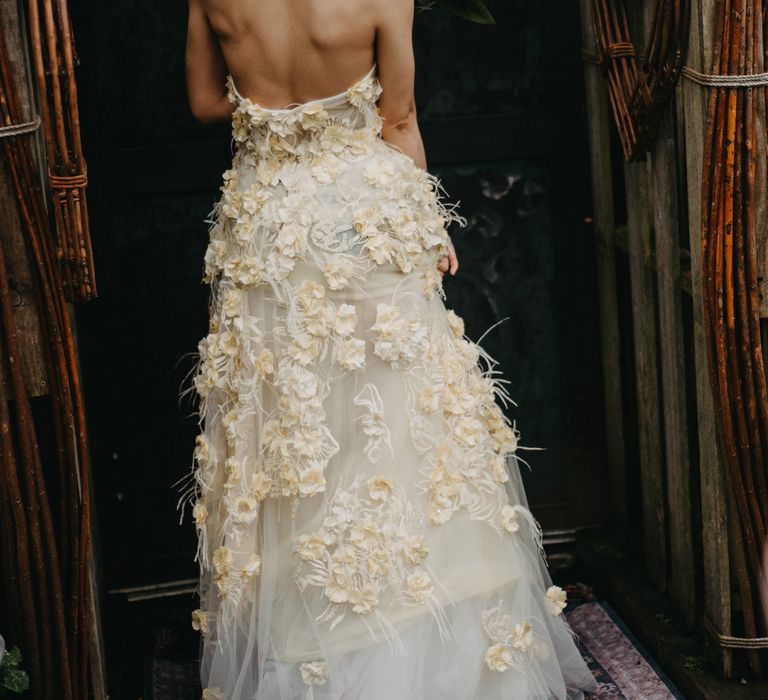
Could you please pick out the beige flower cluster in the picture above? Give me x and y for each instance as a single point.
(513, 642)
(371, 543)
(462, 431)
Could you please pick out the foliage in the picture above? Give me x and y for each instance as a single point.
(472, 10)
(12, 678)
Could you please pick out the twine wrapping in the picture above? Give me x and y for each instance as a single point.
(7, 132)
(726, 81)
(726, 641)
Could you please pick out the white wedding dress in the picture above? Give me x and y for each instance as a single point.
(363, 530)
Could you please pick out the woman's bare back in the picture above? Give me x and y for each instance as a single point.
(282, 52)
(287, 52)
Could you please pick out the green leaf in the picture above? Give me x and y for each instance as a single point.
(12, 658)
(14, 680)
(473, 10)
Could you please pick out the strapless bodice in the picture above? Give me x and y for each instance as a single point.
(342, 124)
(316, 182)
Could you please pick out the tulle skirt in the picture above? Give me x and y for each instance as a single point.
(467, 612)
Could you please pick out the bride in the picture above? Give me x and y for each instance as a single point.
(362, 527)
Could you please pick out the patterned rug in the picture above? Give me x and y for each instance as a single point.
(622, 667)
(618, 661)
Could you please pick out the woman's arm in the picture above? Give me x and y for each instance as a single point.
(397, 104)
(206, 69)
(396, 67)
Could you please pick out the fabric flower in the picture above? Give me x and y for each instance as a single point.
(364, 92)
(248, 271)
(522, 636)
(206, 380)
(326, 168)
(429, 399)
(420, 586)
(505, 440)
(319, 319)
(416, 549)
(314, 672)
(255, 198)
(379, 172)
(232, 471)
(311, 481)
(265, 362)
(200, 621)
(364, 599)
(251, 568)
(199, 513)
(379, 248)
(350, 353)
(232, 303)
(291, 241)
(378, 562)
(509, 518)
(304, 349)
(440, 509)
(346, 319)
(202, 448)
(379, 488)
(261, 483)
(499, 657)
(277, 266)
(398, 339)
(337, 272)
(231, 423)
(228, 344)
(499, 469)
(310, 547)
(468, 431)
(337, 590)
(309, 292)
(457, 401)
(222, 559)
(556, 600)
(312, 116)
(244, 509)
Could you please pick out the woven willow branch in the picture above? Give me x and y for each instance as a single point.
(45, 543)
(731, 199)
(53, 54)
(639, 90)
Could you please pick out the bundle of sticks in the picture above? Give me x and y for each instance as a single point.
(732, 196)
(50, 35)
(639, 91)
(44, 473)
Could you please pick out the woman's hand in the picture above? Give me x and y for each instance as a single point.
(448, 263)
